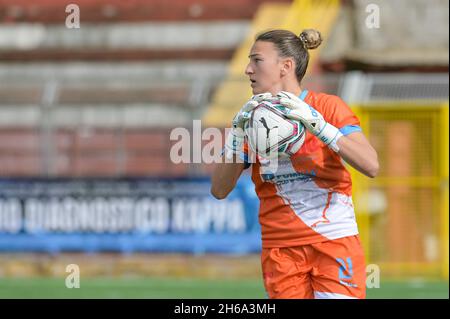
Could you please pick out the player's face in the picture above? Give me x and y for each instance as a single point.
(264, 68)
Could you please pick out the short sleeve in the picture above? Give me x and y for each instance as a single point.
(245, 156)
(338, 113)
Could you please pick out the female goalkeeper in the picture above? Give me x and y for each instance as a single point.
(310, 242)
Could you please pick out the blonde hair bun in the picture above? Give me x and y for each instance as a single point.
(310, 38)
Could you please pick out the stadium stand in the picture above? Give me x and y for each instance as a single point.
(98, 101)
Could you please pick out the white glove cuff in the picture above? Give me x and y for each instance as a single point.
(330, 135)
(234, 144)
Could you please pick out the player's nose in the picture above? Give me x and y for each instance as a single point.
(248, 69)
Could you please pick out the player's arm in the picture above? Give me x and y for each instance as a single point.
(225, 177)
(227, 172)
(353, 148)
(356, 150)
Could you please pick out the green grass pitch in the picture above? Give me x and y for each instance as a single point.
(188, 288)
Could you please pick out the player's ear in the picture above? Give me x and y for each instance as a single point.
(287, 66)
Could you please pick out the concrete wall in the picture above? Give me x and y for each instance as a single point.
(404, 25)
(410, 33)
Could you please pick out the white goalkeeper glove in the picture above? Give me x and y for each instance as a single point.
(234, 143)
(313, 120)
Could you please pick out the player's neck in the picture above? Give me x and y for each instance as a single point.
(292, 88)
(288, 87)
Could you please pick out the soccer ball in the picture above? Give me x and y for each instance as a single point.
(271, 134)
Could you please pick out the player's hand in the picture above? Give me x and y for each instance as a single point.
(234, 142)
(311, 118)
(301, 111)
(244, 113)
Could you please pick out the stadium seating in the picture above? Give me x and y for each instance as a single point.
(101, 100)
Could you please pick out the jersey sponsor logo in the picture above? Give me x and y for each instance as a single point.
(284, 172)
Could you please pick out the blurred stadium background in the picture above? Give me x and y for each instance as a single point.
(85, 121)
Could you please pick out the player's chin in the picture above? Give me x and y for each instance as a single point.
(256, 90)
(259, 89)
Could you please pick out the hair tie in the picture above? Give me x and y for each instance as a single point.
(303, 39)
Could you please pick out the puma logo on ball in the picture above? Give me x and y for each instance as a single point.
(263, 121)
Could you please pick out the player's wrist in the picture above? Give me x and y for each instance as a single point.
(234, 143)
(329, 134)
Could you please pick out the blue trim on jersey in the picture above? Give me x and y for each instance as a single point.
(303, 95)
(244, 157)
(346, 130)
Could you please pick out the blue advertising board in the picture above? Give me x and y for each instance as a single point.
(127, 215)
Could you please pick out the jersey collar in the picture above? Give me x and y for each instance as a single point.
(303, 95)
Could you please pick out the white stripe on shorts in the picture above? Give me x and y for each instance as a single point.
(330, 295)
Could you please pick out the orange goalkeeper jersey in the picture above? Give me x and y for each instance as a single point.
(307, 199)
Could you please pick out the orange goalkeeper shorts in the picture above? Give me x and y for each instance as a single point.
(331, 269)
